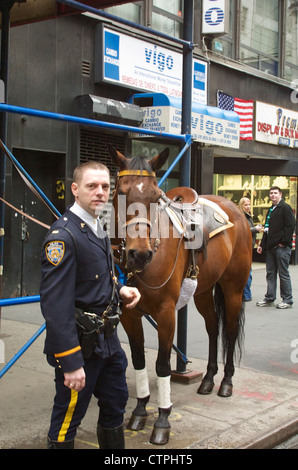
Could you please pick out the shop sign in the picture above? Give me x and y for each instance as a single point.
(126, 61)
(276, 125)
(215, 17)
(204, 128)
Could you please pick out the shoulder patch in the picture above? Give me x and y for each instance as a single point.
(55, 251)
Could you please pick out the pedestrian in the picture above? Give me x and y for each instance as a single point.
(277, 245)
(79, 296)
(245, 208)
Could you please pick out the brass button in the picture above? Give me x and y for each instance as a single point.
(96, 276)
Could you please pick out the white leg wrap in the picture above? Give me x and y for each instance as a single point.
(142, 383)
(164, 392)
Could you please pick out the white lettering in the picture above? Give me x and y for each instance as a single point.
(294, 354)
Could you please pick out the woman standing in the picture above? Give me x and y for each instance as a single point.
(245, 208)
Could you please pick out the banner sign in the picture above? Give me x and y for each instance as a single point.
(126, 61)
(276, 125)
(209, 125)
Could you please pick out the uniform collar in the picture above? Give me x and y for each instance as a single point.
(85, 216)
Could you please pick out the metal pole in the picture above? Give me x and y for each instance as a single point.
(186, 161)
(89, 122)
(22, 350)
(5, 12)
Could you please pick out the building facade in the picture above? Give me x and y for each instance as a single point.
(99, 68)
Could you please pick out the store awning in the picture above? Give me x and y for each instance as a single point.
(107, 109)
(209, 125)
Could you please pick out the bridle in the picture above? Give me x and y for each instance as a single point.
(136, 220)
(142, 220)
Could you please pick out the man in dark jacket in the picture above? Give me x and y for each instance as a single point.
(77, 277)
(277, 243)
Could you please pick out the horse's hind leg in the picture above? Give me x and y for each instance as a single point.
(232, 333)
(205, 305)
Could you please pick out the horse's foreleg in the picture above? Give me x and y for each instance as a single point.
(205, 306)
(134, 329)
(161, 431)
(139, 414)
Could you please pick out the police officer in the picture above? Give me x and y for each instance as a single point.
(77, 276)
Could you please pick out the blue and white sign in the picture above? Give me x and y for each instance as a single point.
(215, 17)
(126, 61)
(209, 125)
(111, 58)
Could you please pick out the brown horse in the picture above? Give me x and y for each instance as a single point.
(159, 263)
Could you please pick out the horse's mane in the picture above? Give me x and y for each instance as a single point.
(139, 163)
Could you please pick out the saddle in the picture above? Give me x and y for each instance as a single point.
(194, 217)
(198, 220)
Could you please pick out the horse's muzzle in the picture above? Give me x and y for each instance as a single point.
(137, 260)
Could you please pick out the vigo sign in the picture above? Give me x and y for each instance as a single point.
(209, 125)
(130, 62)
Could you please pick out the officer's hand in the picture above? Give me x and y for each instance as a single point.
(130, 296)
(75, 380)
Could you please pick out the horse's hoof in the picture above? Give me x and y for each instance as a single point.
(137, 423)
(225, 390)
(160, 436)
(206, 387)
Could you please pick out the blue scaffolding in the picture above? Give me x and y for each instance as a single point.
(185, 139)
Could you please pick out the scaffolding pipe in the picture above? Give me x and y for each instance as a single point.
(27, 177)
(36, 298)
(22, 350)
(88, 122)
(19, 300)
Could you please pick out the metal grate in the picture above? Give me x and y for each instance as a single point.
(86, 68)
(93, 146)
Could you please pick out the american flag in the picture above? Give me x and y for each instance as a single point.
(244, 108)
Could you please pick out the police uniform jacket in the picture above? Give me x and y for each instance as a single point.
(76, 272)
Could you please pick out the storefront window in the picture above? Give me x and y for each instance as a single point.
(291, 69)
(167, 16)
(256, 188)
(259, 42)
(162, 15)
(129, 11)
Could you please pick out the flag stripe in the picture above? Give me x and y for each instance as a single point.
(244, 108)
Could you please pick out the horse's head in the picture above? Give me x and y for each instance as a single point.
(136, 189)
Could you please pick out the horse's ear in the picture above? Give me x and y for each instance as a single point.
(160, 159)
(117, 157)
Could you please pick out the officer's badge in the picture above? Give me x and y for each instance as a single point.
(55, 251)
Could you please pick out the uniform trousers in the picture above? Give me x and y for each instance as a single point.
(277, 261)
(106, 380)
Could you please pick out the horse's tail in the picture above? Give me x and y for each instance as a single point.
(219, 304)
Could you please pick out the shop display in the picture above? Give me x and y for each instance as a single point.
(256, 188)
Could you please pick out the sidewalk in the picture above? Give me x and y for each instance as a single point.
(262, 412)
